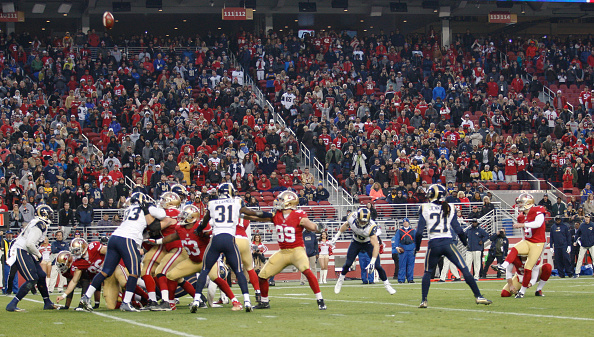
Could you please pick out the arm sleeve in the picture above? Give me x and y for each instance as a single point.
(157, 213)
(420, 229)
(32, 239)
(538, 221)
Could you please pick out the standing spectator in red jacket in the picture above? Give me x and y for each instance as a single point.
(567, 179)
(511, 169)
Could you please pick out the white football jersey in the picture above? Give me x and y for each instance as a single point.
(36, 231)
(134, 222)
(437, 227)
(361, 234)
(224, 215)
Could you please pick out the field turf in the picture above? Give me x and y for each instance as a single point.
(359, 310)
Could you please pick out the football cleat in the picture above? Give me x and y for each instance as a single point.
(575, 276)
(498, 268)
(258, 297)
(79, 309)
(14, 309)
(389, 288)
(263, 305)
(520, 295)
(96, 306)
(538, 293)
(338, 285)
(236, 306)
(482, 300)
(150, 305)
(172, 306)
(194, 307)
(163, 306)
(248, 306)
(321, 304)
(85, 303)
(441, 281)
(128, 307)
(423, 305)
(50, 306)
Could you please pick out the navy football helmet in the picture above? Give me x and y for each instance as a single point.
(180, 190)
(363, 217)
(436, 193)
(138, 198)
(226, 191)
(45, 213)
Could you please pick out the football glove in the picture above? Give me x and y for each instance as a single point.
(463, 239)
(154, 242)
(568, 250)
(370, 268)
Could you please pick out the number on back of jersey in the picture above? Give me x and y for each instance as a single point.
(132, 213)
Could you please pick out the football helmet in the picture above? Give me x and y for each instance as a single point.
(45, 213)
(169, 200)
(226, 191)
(363, 217)
(525, 201)
(64, 261)
(436, 193)
(180, 190)
(138, 198)
(286, 200)
(189, 214)
(78, 247)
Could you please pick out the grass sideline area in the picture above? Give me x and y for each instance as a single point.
(358, 310)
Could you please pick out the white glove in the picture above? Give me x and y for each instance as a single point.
(552, 252)
(568, 250)
(370, 268)
(332, 242)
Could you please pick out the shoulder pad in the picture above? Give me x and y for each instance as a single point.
(373, 230)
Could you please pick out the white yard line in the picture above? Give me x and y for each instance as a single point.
(149, 326)
(448, 309)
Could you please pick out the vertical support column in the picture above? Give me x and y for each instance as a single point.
(86, 22)
(10, 28)
(268, 23)
(446, 32)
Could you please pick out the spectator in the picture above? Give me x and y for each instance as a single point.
(66, 220)
(487, 206)
(334, 159)
(376, 192)
(84, 213)
(321, 193)
(290, 160)
(559, 208)
(105, 221)
(27, 212)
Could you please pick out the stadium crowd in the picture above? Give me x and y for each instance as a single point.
(386, 114)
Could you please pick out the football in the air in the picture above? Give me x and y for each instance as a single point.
(108, 20)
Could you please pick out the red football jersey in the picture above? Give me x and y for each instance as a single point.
(241, 228)
(535, 235)
(195, 245)
(94, 259)
(288, 230)
(172, 213)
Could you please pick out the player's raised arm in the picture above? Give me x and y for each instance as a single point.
(420, 229)
(311, 226)
(341, 230)
(204, 223)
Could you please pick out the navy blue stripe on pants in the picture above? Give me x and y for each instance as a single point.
(354, 248)
(222, 244)
(125, 249)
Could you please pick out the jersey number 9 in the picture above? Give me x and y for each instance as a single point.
(285, 234)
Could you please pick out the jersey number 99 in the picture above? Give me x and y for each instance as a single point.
(285, 234)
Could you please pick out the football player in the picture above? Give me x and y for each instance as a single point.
(223, 215)
(27, 258)
(124, 244)
(160, 258)
(88, 260)
(540, 274)
(172, 252)
(439, 217)
(64, 261)
(365, 239)
(195, 244)
(244, 246)
(289, 223)
(532, 219)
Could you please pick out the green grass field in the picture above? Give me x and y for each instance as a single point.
(359, 310)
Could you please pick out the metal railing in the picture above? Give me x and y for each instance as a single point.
(332, 216)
